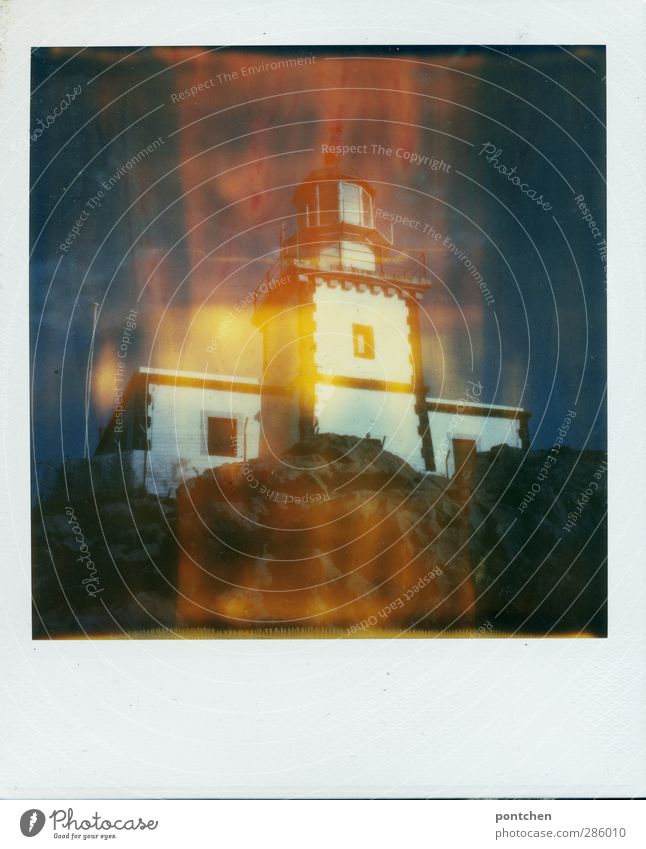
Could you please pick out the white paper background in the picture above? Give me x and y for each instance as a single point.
(331, 718)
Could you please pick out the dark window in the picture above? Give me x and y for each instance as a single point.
(221, 436)
(363, 338)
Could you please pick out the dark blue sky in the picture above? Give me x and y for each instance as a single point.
(189, 228)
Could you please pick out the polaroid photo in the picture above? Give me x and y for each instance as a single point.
(321, 449)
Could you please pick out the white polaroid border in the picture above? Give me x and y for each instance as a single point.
(332, 718)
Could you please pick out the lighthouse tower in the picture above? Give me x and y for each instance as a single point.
(341, 328)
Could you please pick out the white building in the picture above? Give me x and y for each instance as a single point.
(340, 325)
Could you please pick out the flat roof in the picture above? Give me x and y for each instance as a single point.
(198, 375)
(449, 405)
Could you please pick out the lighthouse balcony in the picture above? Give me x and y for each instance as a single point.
(396, 275)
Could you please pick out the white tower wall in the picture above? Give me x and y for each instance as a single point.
(388, 416)
(338, 308)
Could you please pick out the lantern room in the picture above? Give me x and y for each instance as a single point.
(335, 222)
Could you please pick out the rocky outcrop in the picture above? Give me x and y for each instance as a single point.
(102, 564)
(342, 534)
(338, 535)
(539, 540)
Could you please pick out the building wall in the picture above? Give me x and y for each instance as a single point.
(280, 422)
(177, 446)
(128, 427)
(281, 319)
(487, 431)
(280, 327)
(337, 309)
(363, 412)
(356, 412)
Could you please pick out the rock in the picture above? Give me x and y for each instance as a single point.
(531, 572)
(131, 560)
(338, 535)
(339, 532)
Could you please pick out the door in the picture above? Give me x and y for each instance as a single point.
(464, 456)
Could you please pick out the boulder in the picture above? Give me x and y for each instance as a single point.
(338, 537)
(339, 534)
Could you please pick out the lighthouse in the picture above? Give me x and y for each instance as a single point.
(340, 324)
(338, 317)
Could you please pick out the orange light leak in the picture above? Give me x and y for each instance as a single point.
(248, 133)
(246, 127)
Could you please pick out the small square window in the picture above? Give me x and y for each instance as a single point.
(221, 436)
(363, 338)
